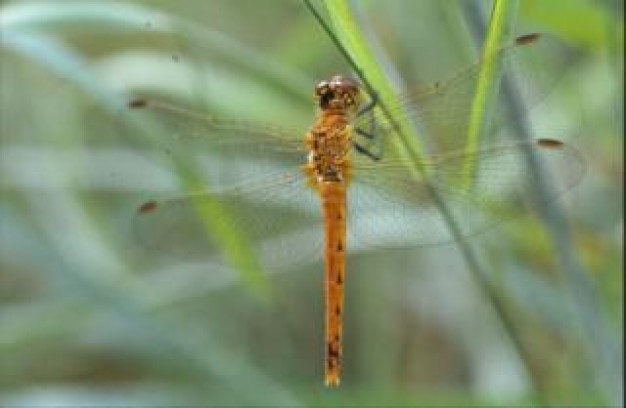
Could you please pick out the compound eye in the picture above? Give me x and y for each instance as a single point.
(325, 97)
(321, 88)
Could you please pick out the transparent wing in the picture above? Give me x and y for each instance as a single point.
(389, 206)
(253, 201)
(442, 110)
(226, 152)
(276, 223)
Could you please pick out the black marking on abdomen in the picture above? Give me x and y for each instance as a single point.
(332, 350)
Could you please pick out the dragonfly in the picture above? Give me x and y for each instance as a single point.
(340, 187)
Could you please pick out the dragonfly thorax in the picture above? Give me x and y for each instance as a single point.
(329, 143)
(330, 139)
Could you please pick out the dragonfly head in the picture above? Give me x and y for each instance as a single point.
(338, 92)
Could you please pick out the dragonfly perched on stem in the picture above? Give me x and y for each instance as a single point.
(368, 196)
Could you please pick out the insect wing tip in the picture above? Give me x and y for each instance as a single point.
(527, 39)
(137, 103)
(550, 143)
(147, 207)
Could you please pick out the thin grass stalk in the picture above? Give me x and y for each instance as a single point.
(488, 82)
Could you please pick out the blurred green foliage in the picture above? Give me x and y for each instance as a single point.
(87, 317)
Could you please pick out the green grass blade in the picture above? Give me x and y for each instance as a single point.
(488, 80)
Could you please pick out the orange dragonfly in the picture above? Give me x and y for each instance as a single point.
(269, 184)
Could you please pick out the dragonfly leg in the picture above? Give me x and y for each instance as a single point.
(369, 134)
(371, 141)
(370, 105)
(365, 151)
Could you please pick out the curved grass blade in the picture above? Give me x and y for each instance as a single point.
(488, 81)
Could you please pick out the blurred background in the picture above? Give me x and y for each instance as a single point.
(88, 317)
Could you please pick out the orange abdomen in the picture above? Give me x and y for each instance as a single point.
(333, 195)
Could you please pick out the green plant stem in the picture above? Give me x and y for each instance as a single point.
(488, 81)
